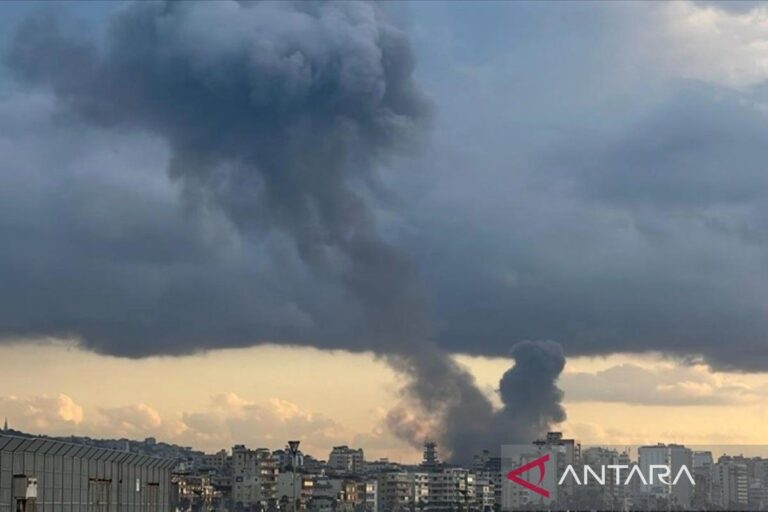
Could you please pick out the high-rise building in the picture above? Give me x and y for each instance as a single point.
(704, 491)
(346, 460)
(430, 461)
(568, 452)
(674, 456)
(730, 479)
(610, 495)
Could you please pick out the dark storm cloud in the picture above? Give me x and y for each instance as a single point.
(699, 150)
(651, 237)
(102, 250)
(272, 113)
(625, 217)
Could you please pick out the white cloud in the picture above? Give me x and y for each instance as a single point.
(229, 419)
(232, 419)
(664, 385)
(136, 421)
(43, 413)
(704, 42)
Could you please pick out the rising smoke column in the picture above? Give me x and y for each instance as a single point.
(531, 403)
(277, 114)
(468, 423)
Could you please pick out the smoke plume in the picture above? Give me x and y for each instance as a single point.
(467, 422)
(272, 112)
(279, 115)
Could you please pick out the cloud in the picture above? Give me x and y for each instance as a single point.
(619, 216)
(230, 419)
(43, 413)
(668, 386)
(226, 420)
(106, 245)
(713, 42)
(279, 122)
(294, 107)
(136, 421)
(608, 200)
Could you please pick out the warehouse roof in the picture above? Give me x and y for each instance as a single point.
(9, 443)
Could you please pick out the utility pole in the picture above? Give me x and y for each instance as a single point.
(293, 446)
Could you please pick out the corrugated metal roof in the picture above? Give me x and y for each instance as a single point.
(10, 443)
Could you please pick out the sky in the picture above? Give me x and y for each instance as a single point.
(240, 221)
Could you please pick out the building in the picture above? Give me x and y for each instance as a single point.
(567, 453)
(394, 491)
(215, 462)
(430, 461)
(610, 495)
(370, 492)
(324, 494)
(451, 489)
(58, 476)
(195, 492)
(254, 477)
(569, 448)
(350, 497)
(346, 460)
(343, 494)
(419, 490)
(703, 493)
(731, 482)
(674, 456)
(485, 490)
(298, 487)
(487, 468)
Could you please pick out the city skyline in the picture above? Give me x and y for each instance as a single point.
(265, 479)
(374, 223)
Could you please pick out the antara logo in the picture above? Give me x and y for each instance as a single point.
(539, 463)
(656, 473)
(660, 471)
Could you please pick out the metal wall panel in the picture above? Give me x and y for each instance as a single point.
(75, 478)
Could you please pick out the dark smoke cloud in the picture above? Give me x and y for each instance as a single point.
(528, 390)
(567, 196)
(276, 116)
(271, 111)
(636, 224)
(467, 422)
